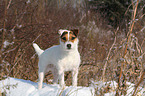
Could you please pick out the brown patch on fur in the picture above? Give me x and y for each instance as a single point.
(72, 37)
(75, 32)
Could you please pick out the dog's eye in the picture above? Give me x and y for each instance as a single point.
(64, 38)
(73, 38)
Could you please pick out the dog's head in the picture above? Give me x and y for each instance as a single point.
(68, 39)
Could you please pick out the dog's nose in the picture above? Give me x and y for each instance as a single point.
(68, 46)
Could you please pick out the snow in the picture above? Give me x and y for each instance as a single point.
(6, 43)
(19, 87)
(28, 2)
(100, 87)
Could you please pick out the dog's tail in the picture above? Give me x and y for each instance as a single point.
(37, 49)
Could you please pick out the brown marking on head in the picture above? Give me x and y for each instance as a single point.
(64, 36)
(72, 36)
(75, 31)
(68, 36)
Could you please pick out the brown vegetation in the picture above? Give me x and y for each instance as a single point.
(22, 23)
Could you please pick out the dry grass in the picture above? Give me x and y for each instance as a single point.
(22, 25)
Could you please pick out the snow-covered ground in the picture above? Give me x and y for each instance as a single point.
(111, 87)
(19, 87)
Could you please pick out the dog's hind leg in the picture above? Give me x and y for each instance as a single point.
(40, 82)
(41, 72)
(55, 75)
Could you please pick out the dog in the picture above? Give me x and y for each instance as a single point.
(60, 58)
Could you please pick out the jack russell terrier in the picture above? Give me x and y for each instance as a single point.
(60, 58)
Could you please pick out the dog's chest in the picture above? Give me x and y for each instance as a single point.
(66, 61)
(69, 62)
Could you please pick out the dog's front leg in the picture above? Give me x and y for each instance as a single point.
(74, 77)
(61, 79)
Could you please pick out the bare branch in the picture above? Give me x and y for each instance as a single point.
(104, 69)
(129, 36)
(141, 79)
(9, 4)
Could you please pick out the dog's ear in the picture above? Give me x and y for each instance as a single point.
(75, 31)
(60, 31)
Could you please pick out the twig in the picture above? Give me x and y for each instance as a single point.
(129, 36)
(5, 13)
(9, 4)
(129, 7)
(9, 50)
(142, 42)
(15, 64)
(36, 38)
(141, 79)
(104, 70)
(3, 34)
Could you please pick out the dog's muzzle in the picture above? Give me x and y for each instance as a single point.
(68, 46)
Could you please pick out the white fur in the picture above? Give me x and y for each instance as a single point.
(62, 30)
(58, 59)
(37, 49)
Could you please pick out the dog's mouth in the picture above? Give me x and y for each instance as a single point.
(67, 46)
